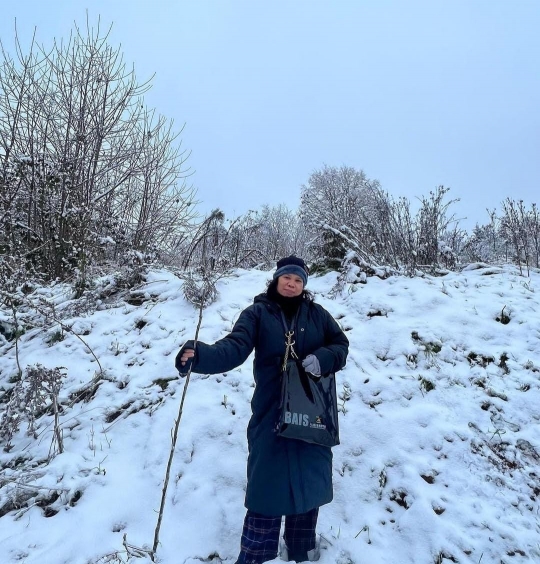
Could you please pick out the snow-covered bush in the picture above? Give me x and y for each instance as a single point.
(32, 395)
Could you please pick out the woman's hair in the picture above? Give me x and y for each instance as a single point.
(272, 286)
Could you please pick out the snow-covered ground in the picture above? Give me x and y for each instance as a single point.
(440, 413)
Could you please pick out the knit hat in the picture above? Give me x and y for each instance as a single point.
(292, 265)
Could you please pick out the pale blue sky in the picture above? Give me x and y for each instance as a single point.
(416, 93)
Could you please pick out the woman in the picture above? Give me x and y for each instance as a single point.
(284, 476)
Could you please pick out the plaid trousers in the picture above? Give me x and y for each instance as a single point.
(260, 537)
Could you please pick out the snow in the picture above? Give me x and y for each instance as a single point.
(440, 439)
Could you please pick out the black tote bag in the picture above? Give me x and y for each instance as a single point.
(308, 410)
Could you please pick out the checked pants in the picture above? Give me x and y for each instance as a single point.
(260, 537)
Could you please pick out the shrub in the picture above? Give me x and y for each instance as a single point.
(35, 393)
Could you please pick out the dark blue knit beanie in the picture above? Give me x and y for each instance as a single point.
(292, 265)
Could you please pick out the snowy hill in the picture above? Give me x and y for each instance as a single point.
(440, 413)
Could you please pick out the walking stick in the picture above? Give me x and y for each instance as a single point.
(175, 436)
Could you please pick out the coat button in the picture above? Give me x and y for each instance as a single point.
(301, 328)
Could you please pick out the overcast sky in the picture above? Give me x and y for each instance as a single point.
(417, 93)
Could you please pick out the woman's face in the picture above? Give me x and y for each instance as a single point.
(290, 285)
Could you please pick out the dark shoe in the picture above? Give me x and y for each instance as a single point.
(300, 556)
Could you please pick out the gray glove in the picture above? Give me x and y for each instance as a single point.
(311, 365)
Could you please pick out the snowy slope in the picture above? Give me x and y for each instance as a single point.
(440, 412)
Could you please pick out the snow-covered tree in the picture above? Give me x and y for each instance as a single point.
(85, 167)
(486, 243)
(332, 203)
(346, 212)
(521, 228)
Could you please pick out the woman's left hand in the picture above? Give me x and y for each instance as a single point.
(311, 364)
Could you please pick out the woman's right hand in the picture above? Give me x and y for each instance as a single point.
(187, 354)
(184, 359)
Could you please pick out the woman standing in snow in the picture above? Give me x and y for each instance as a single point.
(284, 476)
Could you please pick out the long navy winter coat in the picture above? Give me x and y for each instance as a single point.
(284, 476)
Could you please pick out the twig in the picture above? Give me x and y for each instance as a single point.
(132, 550)
(70, 330)
(14, 311)
(326, 540)
(364, 528)
(29, 487)
(22, 511)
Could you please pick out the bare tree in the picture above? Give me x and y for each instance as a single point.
(403, 234)
(534, 233)
(514, 227)
(281, 233)
(433, 223)
(84, 162)
(334, 196)
(486, 243)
